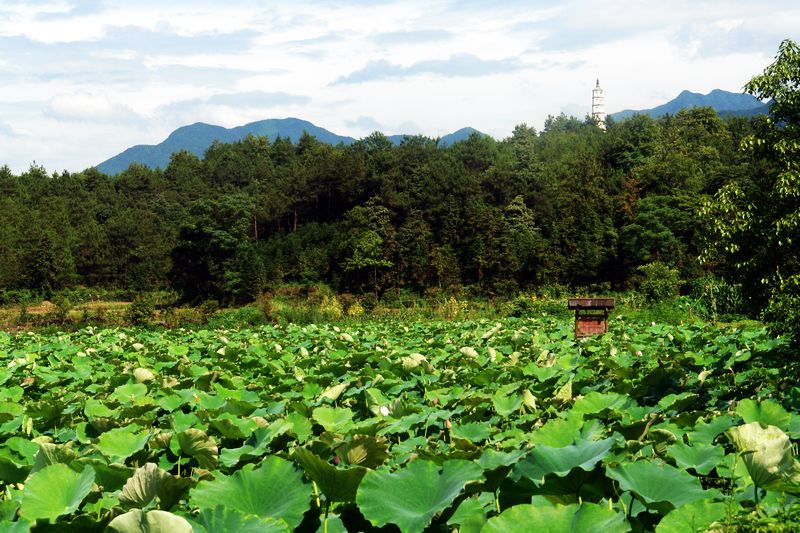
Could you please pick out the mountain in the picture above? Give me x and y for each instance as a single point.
(198, 137)
(724, 102)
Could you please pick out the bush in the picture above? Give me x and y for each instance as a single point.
(237, 318)
(330, 308)
(141, 311)
(660, 282)
(355, 310)
(782, 315)
(716, 296)
(62, 309)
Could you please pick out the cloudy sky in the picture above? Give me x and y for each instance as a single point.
(83, 80)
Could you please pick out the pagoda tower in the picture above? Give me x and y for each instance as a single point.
(598, 106)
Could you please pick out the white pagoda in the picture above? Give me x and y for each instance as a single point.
(598, 106)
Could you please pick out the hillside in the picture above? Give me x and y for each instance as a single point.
(723, 102)
(197, 137)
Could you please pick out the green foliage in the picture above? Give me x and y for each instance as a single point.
(141, 311)
(754, 222)
(659, 282)
(475, 423)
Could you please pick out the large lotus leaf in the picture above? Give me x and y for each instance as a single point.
(54, 491)
(573, 518)
(137, 521)
(506, 404)
(51, 454)
(558, 432)
(705, 432)
(20, 526)
(149, 482)
(767, 454)
(130, 393)
(195, 443)
(695, 516)
(472, 431)
(13, 472)
(257, 444)
(411, 496)
(702, 457)
(333, 419)
(658, 484)
(223, 519)
(596, 402)
(338, 484)
(768, 412)
(469, 517)
(543, 460)
(120, 443)
(275, 489)
(364, 450)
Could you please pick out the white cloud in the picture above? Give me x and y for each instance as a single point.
(88, 78)
(90, 107)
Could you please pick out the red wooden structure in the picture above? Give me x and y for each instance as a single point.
(591, 315)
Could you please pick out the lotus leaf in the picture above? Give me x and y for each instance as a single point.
(197, 444)
(574, 518)
(767, 454)
(338, 484)
(694, 516)
(137, 521)
(410, 497)
(54, 491)
(658, 485)
(275, 489)
(544, 460)
(223, 519)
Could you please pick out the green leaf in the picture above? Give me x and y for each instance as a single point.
(195, 443)
(147, 483)
(659, 486)
(573, 518)
(544, 460)
(469, 517)
(702, 457)
(333, 419)
(472, 431)
(137, 521)
(257, 444)
(506, 405)
(410, 497)
(222, 519)
(51, 454)
(275, 489)
(338, 485)
(54, 491)
(694, 516)
(767, 454)
(364, 450)
(120, 443)
(768, 412)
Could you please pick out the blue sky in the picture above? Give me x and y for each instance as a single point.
(83, 80)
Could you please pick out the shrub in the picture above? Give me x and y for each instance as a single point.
(717, 297)
(141, 311)
(660, 282)
(782, 315)
(62, 308)
(356, 310)
(331, 308)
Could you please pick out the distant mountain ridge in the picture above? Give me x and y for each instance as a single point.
(196, 138)
(723, 102)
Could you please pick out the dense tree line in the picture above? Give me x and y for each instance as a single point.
(569, 205)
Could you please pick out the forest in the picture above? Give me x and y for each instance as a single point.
(691, 195)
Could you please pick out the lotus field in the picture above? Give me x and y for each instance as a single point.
(472, 426)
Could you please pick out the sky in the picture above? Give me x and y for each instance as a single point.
(81, 81)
